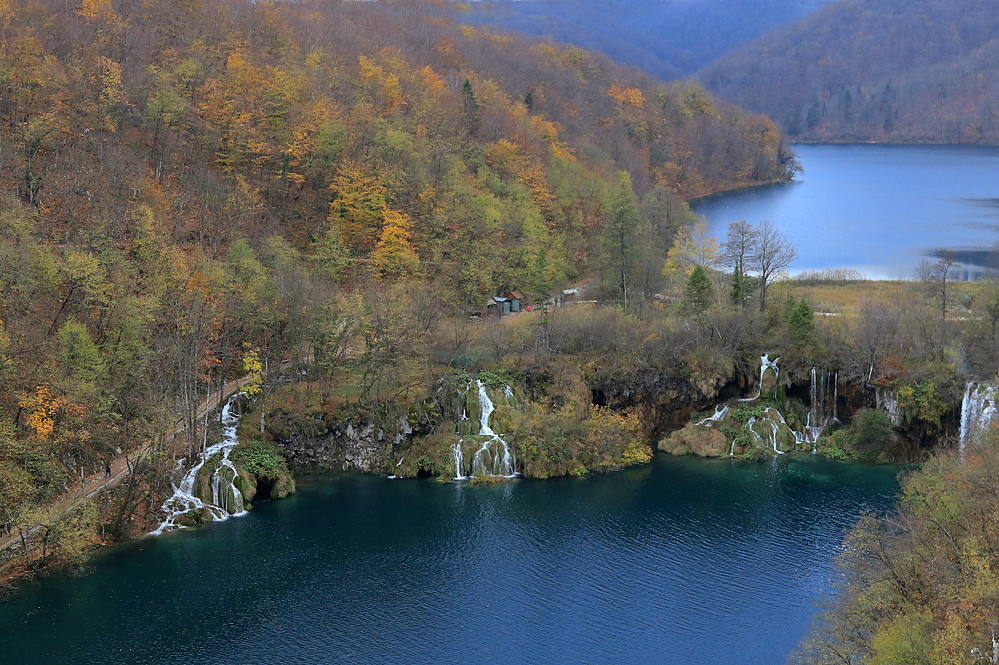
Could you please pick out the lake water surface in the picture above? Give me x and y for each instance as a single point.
(683, 561)
(879, 209)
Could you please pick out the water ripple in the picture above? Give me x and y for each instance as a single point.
(685, 561)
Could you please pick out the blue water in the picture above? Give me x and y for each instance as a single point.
(680, 561)
(879, 209)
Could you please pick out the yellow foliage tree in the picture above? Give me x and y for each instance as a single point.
(254, 372)
(629, 96)
(692, 247)
(359, 205)
(394, 256)
(41, 409)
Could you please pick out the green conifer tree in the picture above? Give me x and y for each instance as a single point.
(802, 324)
(621, 237)
(736, 295)
(699, 291)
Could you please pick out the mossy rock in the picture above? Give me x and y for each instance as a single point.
(473, 410)
(697, 440)
(283, 486)
(194, 517)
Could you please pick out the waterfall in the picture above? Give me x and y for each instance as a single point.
(775, 430)
(464, 398)
(227, 500)
(835, 396)
(978, 413)
(813, 393)
(720, 411)
(394, 476)
(818, 418)
(773, 437)
(765, 364)
(494, 458)
(459, 460)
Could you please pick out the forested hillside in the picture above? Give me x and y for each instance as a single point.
(920, 585)
(670, 39)
(186, 185)
(882, 70)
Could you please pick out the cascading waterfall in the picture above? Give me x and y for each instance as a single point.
(459, 460)
(464, 395)
(835, 396)
(978, 413)
(227, 500)
(765, 364)
(822, 410)
(397, 464)
(813, 393)
(770, 442)
(773, 433)
(495, 457)
(720, 412)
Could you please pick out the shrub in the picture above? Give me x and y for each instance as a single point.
(702, 441)
(746, 412)
(870, 429)
(259, 458)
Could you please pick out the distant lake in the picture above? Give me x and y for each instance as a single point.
(879, 209)
(683, 561)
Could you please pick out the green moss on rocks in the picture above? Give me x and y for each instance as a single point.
(259, 463)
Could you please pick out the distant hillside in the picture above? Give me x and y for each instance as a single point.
(883, 70)
(667, 38)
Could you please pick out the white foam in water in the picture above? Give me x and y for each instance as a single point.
(184, 500)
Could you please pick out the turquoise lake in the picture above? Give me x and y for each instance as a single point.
(878, 209)
(680, 561)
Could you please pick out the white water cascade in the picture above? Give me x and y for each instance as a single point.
(721, 410)
(397, 464)
(464, 397)
(822, 409)
(765, 364)
(459, 460)
(227, 500)
(978, 413)
(494, 458)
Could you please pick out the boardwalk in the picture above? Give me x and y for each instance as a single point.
(94, 483)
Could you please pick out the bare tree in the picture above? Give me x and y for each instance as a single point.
(934, 277)
(773, 254)
(876, 335)
(739, 245)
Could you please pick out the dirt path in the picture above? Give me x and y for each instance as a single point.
(119, 468)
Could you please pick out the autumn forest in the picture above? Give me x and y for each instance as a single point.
(185, 181)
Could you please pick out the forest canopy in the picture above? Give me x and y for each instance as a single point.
(187, 184)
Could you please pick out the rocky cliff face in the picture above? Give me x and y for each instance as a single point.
(343, 446)
(663, 401)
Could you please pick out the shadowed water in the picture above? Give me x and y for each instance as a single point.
(879, 209)
(680, 561)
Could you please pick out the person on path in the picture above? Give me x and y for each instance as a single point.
(107, 471)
